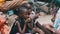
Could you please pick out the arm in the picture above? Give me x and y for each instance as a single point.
(24, 28)
(50, 27)
(19, 28)
(43, 28)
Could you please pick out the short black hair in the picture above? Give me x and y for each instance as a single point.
(20, 10)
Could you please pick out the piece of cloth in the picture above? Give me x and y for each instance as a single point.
(4, 28)
(11, 12)
(57, 21)
(33, 13)
(11, 20)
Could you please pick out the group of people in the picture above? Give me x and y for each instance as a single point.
(22, 20)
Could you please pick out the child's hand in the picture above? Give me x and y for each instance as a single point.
(28, 20)
(50, 27)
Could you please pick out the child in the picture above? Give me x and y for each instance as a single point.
(20, 26)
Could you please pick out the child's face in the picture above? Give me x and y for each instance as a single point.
(26, 14)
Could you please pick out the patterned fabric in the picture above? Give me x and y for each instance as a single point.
(3, 27)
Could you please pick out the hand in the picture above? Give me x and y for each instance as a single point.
(50, 27)
(28, 20)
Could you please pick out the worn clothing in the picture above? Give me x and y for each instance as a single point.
(15, 27)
